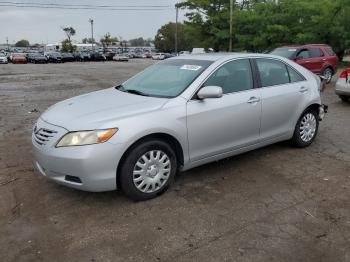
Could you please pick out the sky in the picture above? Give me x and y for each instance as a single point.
(44, 25)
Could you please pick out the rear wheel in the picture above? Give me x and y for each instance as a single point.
(148, 170)
(328, 74)
(306, 129)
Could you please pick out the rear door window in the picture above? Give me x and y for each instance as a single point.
(272, 72)
(294, 75)
(316, 52)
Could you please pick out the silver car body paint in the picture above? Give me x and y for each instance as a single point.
(342, 87)
(207, 130)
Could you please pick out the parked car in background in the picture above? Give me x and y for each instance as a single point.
(135, 136)
(3, 58)
(158, 56)
(81, 56)
(162, 56)
(147, 55)
(319, 59)
(121, 58)
(184, 53)
(18, 59)
(109, 55)
(342, 87)
(198, 50)
(68, 57)
(54, 57)
(97, 57)
(37, 58)
(138, 55)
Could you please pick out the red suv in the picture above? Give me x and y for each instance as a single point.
(319, 59)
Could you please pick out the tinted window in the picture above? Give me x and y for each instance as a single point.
(316, 52)
(272, 72)
(303, 54)
(233, 76)
(294, 75)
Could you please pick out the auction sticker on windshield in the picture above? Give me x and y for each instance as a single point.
(191, 67)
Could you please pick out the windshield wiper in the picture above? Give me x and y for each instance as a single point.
(136, 92)
(131, 91)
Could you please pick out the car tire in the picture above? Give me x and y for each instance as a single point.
(328, 74)
(306, 129)
(147, 170)
(344, 98)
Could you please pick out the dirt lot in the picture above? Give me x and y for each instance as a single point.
(274, 204)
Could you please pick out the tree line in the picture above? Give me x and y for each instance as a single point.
(259, 25)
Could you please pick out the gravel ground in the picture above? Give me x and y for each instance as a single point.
(277, 203)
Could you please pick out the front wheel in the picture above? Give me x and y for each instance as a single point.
(306, 129)
(148, 170)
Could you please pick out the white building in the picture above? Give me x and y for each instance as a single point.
(58, 46)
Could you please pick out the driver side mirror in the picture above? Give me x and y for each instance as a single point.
(210, 92)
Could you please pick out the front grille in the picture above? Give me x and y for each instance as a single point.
(43, 135)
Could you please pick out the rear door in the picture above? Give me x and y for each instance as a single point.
(303, 58)
(317, 60)
(283, 90)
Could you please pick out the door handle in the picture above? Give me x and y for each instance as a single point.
(303, 89)
(253, 100)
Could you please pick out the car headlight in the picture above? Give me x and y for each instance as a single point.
(81, 138)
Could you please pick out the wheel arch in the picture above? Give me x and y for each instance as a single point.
(313, 106)
(171, 140)
(328, 66)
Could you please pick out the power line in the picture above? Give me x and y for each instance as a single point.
(84, 5)
(84, 8)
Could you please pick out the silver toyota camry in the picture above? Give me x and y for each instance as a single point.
(175, 115)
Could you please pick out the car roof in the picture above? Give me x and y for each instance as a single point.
(304, 46)
(223, 56)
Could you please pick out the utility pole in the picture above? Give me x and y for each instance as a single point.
(176, 29)
(91, 21)
(231, 21)
(7, 43)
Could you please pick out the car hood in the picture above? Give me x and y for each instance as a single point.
(97, 109)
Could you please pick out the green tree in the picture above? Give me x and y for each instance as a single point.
(261, 25)
(70, 32)
(137, 42)
(22, 43)
(67, 45)
(165, 38)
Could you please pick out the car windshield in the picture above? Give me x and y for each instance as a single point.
(285, 52)
(166, 79)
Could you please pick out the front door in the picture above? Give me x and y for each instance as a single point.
(220, 125)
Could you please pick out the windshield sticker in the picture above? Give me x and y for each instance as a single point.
(292, 50)
(191, 67)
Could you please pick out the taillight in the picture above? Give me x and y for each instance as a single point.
(345, 73)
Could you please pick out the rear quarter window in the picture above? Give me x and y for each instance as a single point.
(316, 52)
(330, 51)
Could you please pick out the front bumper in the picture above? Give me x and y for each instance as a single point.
(92, 167)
